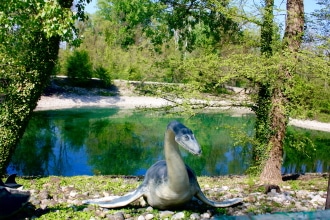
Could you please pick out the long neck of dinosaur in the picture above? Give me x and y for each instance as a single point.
(177, 173)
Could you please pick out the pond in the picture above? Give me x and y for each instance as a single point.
(110, 141)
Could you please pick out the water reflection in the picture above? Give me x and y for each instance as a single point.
(108, 141)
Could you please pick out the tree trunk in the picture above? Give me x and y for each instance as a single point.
(271, 172)
(294, 27)
(327, 201)
(263, 103)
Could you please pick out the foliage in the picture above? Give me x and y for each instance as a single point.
(318, 28)
(206, 68)
(309, 94)
(103, 75)
(135, 40)
(207, 44)
(79, 67)
(131, 18)
(301, 144)
(30, 33)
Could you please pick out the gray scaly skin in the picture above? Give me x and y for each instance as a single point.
(168, 183)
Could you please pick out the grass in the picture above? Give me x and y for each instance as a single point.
(100, 186)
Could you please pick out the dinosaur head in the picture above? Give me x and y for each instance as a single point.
(185, 137)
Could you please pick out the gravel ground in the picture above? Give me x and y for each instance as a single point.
(61, 198)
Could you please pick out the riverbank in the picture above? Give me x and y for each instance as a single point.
(122, 95)
(58, 197)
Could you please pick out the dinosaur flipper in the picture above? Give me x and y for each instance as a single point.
(11, 182)
(11, 179)
(226, 203)
(116, 201)
(11, 201)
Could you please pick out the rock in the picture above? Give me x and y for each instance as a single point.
(149, 209)
(286, 187)
(141, 217)
(67, 189)
(106, 194)
(43, 206)
(317, 199)
(195, 216)
(44, 195)
(118, 216)
(100, 214)
(85, 194)
(272, 188)
(179, 215)
(206, 215)
(73, 193)
(251, 199)
(149, 216)
(164, 214)
(302, 194)
(142, 202)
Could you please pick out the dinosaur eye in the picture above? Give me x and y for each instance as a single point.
(186, 138)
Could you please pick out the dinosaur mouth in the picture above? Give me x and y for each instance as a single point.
(190, 144)
(192, 151)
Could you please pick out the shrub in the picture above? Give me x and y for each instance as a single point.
(103, 74)
(79, 67)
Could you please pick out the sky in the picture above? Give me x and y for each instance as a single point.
(91, 7)
(309, 5)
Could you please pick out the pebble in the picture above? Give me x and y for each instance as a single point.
(194, 216)
(206, 215)
(164, 214)
(179, 215)
(149, 216)
(73, 193)
(149, 209)
(119, 216)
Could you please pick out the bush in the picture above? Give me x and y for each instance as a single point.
(79, 67)
(103, 74)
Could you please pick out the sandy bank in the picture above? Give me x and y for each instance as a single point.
(130, 102)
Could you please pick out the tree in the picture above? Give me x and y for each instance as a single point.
(321, 26)
(30, 34)
(215, 49)
(318, 27)
(263, 103)
(292, 39)
(130, 18)
(278, 73)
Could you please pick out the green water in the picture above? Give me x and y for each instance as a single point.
(93, 141)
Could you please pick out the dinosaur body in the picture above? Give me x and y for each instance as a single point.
(168, 183)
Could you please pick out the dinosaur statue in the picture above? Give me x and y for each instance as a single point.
(11, 198)
(10, 182)
(168, 183)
